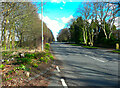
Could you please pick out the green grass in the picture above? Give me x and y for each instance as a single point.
(2, 66)
(90, 47)
(6, 53)
(116, 51)
(75, 44)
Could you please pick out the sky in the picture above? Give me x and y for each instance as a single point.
(57, 13)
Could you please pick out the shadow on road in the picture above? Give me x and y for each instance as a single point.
(88, 77)
(68, 50)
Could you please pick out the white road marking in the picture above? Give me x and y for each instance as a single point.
(95, 58)
(86, 55)
(62, 80)
(63, 83)
(57, 68)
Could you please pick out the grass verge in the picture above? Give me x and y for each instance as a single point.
(116, 51)
(75, 44)
(18, 67)
(89, 47)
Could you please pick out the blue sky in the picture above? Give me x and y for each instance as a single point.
(57, 13)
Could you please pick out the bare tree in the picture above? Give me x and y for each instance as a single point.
(86, 13)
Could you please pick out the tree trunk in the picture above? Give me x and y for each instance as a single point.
(21, 39)
(92, 38)
(2, 37)
(9, 45)
(5, 38)
(13, 39)
(105, 32)
(97, 32)
(110, 35)
(84, 36)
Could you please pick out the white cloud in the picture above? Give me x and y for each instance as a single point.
(57, 18)
(117, 22)
(70, 0)
(89, 20)
(61, 8)
(57, 1)
(64, 2)
(66, 20)
(53, 25)
(53, 0)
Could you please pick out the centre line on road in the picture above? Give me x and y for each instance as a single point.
(95, 58)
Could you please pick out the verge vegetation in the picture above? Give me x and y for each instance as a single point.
(18, 66)
(116, 51)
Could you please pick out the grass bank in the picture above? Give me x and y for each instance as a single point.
(89, 47)
(116, 51)
(18, 67)
(92, 47)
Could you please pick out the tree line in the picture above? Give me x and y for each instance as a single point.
(94, 25)
(21, 26)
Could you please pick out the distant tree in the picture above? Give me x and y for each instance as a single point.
(76, 30)
(63, 35)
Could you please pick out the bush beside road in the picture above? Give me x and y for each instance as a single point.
(21, 69)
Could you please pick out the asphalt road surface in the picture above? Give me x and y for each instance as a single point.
(86, 67)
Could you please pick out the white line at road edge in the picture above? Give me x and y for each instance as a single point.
(57, 68)
(63, 83)
(62, 80)
(95, 58)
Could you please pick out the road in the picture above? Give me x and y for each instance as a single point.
(86, 67)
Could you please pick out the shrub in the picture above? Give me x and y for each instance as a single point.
(46, 50)
(108, 43)
(35, 65)
(22, 67)
(51, 57)
(2, 66)
(24, 60)
(39, 55)
(10, 72)
(6, 61)
(41, 59)
(47, 46)
(30, 55)
(45, 60)
(4, 53)
(8, 79)
(48, 54)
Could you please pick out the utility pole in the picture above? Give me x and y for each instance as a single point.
(47, 34)
(1, 19)
(42, 21)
